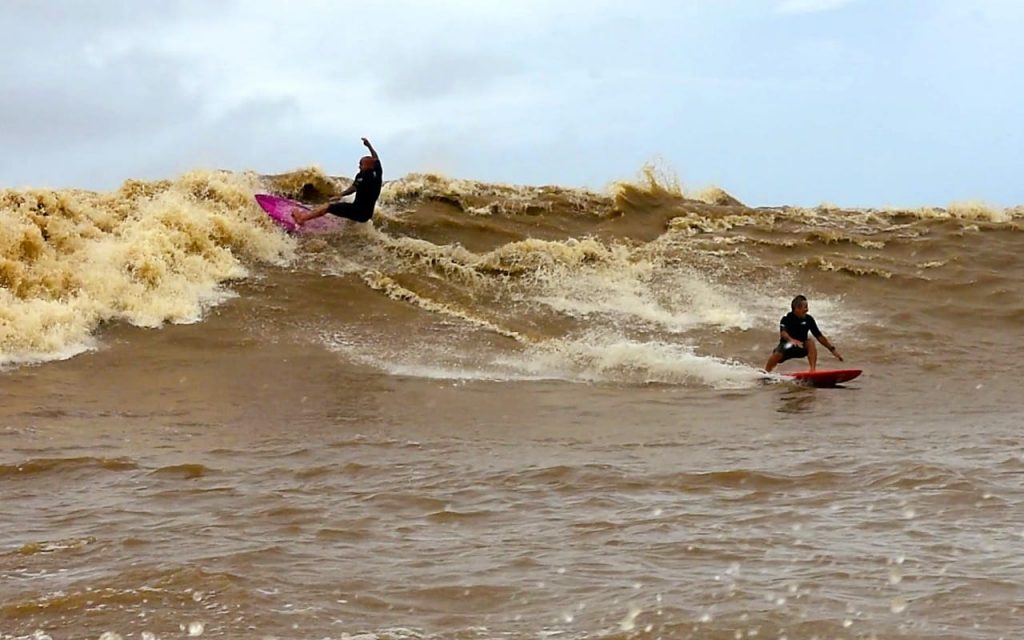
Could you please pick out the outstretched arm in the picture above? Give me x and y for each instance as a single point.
(373, 152)
(816, 332)
(347, 192)
(828, 345)
(352, 188)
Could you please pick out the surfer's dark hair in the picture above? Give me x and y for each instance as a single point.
(797, 301)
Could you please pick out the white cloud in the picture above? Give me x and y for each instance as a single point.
(575, 92)
(811, 6)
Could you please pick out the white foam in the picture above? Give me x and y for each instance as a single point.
(616, 359)
(590, 359)
(147, 254)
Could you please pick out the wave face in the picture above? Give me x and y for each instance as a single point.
(641, 284)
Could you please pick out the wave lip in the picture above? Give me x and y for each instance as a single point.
(40, 466)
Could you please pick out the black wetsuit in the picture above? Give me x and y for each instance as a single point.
(797, 328)
(368, 184)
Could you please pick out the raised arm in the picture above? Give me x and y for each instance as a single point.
(373, 152)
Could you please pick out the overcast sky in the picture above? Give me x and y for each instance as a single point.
(855, 102)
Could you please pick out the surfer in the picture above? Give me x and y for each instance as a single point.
(794, 343)
(366, 185)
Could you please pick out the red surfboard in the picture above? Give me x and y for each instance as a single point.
(824, 377)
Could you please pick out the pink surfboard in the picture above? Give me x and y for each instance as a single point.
(824, 377)
(281, 209)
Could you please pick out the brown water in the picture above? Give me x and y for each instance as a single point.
(503, 412)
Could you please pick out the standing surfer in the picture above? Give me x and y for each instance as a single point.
(794, 342)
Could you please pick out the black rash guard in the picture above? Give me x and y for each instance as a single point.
(368, 184)
(797, 328)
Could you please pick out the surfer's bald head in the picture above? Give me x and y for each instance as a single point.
(365, 163)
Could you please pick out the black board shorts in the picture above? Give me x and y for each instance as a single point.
(350, 210)
(790, 351)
